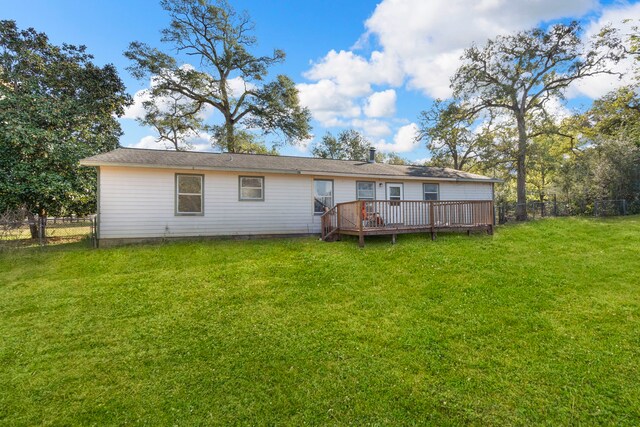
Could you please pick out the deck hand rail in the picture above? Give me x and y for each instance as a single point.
(404, 216)
(329, 222)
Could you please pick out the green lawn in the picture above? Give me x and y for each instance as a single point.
(538, 324)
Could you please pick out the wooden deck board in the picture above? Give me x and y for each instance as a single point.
(385, 217)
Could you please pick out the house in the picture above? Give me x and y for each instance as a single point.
(153, 194)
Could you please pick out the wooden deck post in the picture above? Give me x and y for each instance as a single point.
(360, 224)
(432, 220)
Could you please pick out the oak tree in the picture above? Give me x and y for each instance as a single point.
(347, 145)
(224, 76)
(519, 74)
(448, 130)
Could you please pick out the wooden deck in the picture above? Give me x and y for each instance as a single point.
(387, 217)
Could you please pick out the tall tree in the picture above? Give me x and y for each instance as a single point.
(519, 74)
(392, 159)
(447, 129)
(172, 117)
(348, 145)
(56, 107)
(220, 41)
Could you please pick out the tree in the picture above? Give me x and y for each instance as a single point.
(220, 40)
(56, 107)
(519, 74)
(171, 116)
(543, 161)
(392, 159)
(446, 128)
(616, 112)
(348, 145)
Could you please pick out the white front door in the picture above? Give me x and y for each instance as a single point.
(395, 193)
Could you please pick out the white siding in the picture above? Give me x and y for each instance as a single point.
(140, 203)
(465, 191)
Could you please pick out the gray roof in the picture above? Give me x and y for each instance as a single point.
(134, 157)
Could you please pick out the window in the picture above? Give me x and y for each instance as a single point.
(431, 191)
(322, 195)
(394, 191)
(251, 188)
(365, 190)
(189, 200)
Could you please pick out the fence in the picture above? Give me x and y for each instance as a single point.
(46, 231)
(507, 211)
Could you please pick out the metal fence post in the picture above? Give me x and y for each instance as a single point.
(41, 231)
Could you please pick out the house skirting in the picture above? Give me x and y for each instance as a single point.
(113, 242)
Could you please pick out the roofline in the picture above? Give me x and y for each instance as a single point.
(287, 171)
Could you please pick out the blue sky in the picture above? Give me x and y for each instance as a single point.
(370, 65)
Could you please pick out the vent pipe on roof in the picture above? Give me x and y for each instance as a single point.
(372, 155)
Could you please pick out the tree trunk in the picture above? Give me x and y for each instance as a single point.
(33, 225)
(521, 207)
(231, 146)
(42, 222)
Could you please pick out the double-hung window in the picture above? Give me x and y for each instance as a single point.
(431, 191)
(365, 190)
(189, 194)
(251, 188)
(322, 195)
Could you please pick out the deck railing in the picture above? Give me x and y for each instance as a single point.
(367, 217)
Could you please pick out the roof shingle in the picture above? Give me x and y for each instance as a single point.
(134, 157)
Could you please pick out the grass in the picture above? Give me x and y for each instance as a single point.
(539, 324)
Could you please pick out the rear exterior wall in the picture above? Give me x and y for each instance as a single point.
(139, 203)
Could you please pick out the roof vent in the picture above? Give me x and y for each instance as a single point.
(372, 155)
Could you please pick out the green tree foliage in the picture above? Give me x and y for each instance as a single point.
(447, 129)
(603, 160)
(348, 145)
(615, 113)
(519, 74)
(171, 115)
(219, 41)
(392, 159)
(56, 107)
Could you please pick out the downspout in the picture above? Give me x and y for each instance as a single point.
(493, 201)
(98, 208)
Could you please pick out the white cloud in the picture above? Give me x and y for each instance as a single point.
(421, 161)
(149, 142)
(414, 44)
(354, 74)
(303, 146)
(238, 86)
(557, 109)
(403, 141)
(381, 104)
(597, 86)
(198, 143)
(372, 128)
(427, 37)
(327, 103)
(136, 110)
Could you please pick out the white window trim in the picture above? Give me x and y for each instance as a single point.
(250, 199)
(313, 189)
(399, 184)
(178, 194)
(366, 182)
(437, 193)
